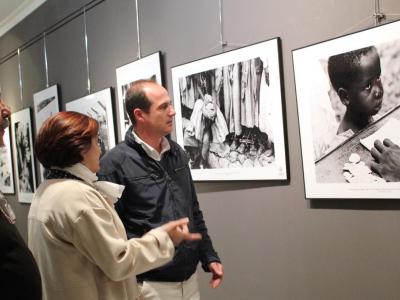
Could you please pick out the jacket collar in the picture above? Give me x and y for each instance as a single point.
(130, 141)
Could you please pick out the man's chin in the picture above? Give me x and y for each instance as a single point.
(167, 131)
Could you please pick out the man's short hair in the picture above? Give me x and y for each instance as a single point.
(342, 68)
(63, 138)
(136, 98)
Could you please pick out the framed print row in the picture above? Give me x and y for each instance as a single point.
(348, 97)
(232, 103)
(229, 116)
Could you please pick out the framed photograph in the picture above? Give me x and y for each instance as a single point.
(45, 104)
(98, 106)
(6, 166)
(229, 115)
(348, 96)
(23, 152)
(148, 67)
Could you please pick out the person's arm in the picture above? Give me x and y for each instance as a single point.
(96, 237)
(387, 160)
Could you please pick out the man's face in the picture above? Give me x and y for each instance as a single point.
(159, 119)
(4, 115)
(366, 92)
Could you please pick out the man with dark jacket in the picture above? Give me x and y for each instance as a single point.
(19, 274)
(159, 188)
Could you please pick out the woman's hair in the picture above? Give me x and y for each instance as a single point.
(63, 138)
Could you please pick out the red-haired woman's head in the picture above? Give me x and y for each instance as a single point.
(64, 138)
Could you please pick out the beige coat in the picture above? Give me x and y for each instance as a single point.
(81, 248)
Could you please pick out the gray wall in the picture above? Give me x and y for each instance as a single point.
(274, 243)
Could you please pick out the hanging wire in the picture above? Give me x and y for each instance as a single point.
(355, 26)
(223, 43)
(45, 59)
(139, 53)
(86, 50)
(220, 47)
(20, 76)
(379, 17)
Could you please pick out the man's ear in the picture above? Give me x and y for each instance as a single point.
(138, 114)
(344, 96)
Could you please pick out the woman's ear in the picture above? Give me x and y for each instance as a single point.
(344, 96)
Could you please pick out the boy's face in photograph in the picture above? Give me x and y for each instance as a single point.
(365, 93)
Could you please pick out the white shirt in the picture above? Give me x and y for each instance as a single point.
(150, 151)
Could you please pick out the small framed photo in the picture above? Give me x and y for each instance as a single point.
(229, 115)
(98, 106)
(148, 67)
(23, 152)
(45, 104)
(6, 165)
(348, 97)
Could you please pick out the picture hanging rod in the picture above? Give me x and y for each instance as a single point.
(49, 30)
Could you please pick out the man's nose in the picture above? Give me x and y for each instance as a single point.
(172, 111)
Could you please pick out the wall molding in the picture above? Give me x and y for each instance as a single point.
(18, 14)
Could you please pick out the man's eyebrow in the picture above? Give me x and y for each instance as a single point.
(166, 103)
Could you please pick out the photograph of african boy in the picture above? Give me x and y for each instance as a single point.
(348, 96)
(6, 168)
(45, 104)
(148, 67)
(23, 153)
(229, 114)
(98, 106)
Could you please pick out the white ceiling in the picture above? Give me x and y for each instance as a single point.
(14, 11)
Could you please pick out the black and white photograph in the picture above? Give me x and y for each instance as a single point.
(148, 67)
(23, 153)
(6, 166)
(348, 98)
(98, 106)
(229, 114)
(45, 104)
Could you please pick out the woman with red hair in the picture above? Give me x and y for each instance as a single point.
(77, 238)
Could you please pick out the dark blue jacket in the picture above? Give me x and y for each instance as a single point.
(155, 193)
(19, 274)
